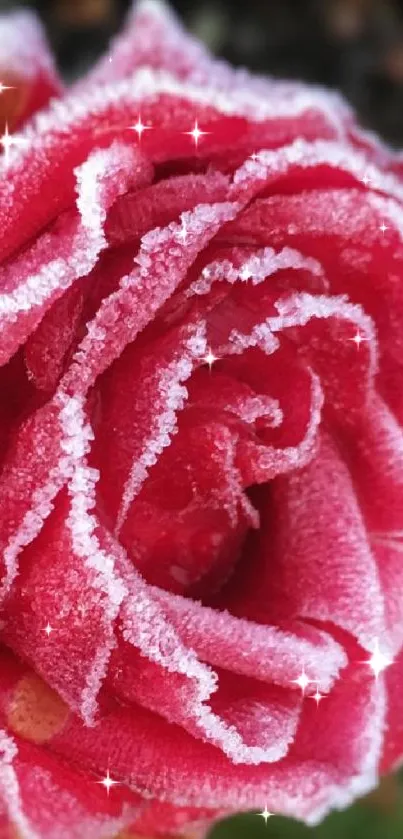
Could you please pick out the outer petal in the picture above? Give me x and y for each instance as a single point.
(375, 458)
(25, 64)
(155, 38)
(61, 137)
(46, 799)
(393, 742)
(322, 770)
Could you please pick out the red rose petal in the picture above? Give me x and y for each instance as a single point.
(317, 561)
(163, 261)
(375, 459)
(72, 559)
(83, 675)
(34, 280)
(27, 63)
(171, 107)
(35, 473)
(167, 541)
(335, 768)
(319, 164)
(185, 544)
(176, 820)
(189, 685)
(140, 401)
(46, 349)
(343, 229)
(29, 482)
(196, 707)
(393, 743)
(154, 38)
(49, 349)
(211, 634)
(30, 779)
(241, 724)
(134, 215)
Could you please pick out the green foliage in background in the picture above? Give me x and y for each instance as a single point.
(365, 820)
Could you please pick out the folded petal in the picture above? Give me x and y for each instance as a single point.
(68, 580)
(314, 559)
(39, 276)
(322, 768)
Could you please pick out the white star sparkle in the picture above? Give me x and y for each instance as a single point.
(4, 87)
(302, 681)
(358, 339)
(48, 629)
(196, 133)
(266, 814)
(108, 782)
(366, 180)
(317, 696)
(378, 661)
(8, 141)
(210, 358)
(140, 127)
(383, 228)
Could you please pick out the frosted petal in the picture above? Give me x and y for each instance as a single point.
(86, 590)
(319, 565)
(81, 804)
(175, 767)
(267, 167)
(57, 259)
(163, 261)
(155, 38)
(27, 62)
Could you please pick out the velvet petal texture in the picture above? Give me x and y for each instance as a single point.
(201, 448)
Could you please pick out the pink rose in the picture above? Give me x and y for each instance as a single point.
(202, 447)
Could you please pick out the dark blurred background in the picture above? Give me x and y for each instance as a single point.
(353, 45)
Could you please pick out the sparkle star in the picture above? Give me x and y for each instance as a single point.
(108, 782)
(317, 696)
(48, 629)
(8, 141)
(196, 133)
(378, 661)
(210, 358)
(266, 814)
(302, 681)
(358, 339)
(4, 87)
(366, 180)
(383, 227)
(139, 127)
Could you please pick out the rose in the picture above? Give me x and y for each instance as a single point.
(201, 486)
